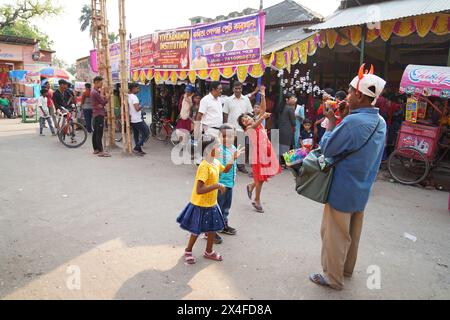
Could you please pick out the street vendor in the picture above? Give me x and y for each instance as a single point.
(359, 143)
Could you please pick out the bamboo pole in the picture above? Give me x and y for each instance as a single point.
(126, 130)
(97, 35)
(108, 74)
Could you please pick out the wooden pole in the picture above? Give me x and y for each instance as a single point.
(448, 58)
(126, 131)
(387, 60)
(97, 37)
(107, 74)
(335, 70)
(363, 45)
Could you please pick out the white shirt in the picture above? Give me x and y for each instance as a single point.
(42, 102)
(136, 116)
(235, 107)
(212, 111)
(186, 107)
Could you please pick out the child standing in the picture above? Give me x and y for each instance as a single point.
(228, 179)
(265, 162)
(202, 214)
(307, 135)
(257, 113)
(44, 113)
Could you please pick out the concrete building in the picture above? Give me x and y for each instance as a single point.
(17, 53)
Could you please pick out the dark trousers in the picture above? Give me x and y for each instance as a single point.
(7, 112)
(140, 134)
(88, 119)
(97, 137)
(243, 161)
(225, 201)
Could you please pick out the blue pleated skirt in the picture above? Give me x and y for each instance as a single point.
(198, 220)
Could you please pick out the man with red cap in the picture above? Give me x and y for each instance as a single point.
(357, 143)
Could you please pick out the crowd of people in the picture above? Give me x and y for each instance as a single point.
(355, 135)
(353, 128)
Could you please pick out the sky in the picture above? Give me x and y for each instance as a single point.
(144, 17)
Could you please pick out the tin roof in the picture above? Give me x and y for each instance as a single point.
(390, 10)
(17, 40)
(280, 38)
(289, 12)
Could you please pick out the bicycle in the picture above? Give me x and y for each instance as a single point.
(118, 134)
(162, 128)
(71, 129)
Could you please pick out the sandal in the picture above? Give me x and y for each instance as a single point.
(258, 208)
(319, 279)
(213, 256)
(104, 155)
(249, 192)
(189, 259)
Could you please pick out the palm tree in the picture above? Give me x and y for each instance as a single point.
(113, 37)
(86, 21)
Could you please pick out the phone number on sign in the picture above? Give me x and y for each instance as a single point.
(226, 310)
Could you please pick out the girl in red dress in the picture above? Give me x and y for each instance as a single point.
(265, 160)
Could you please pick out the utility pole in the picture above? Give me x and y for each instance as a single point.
(261, 5)
(124, 107)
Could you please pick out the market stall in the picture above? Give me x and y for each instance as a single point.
(25, 100)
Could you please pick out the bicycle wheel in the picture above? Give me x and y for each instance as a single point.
(171, 135)
(73, 135)
(155, 129)
(148, 132)
(162, 133)
(118, 136)
(408, 166)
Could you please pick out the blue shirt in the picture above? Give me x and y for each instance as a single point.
(228, 179)
(355, 176)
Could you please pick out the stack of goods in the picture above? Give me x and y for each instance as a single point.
(295, 158)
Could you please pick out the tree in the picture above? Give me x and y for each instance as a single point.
(24, 10)
(59, 63)
(15, 19)
(24, 29)
(86, 21)
(72, 69)
(113, 37)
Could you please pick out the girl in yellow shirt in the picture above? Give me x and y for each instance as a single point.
(202, 214)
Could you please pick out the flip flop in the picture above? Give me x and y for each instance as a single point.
(249, 192)
(104, 155)
(319, 279)
(258, 209)
(213, 256)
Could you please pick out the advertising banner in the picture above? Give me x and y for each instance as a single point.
(172, 50)
(228, 43)
(135, 54)
(5, 82)
(427, 80)
(148, 44)
(114, 52)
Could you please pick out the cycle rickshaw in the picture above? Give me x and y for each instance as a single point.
(423, 142)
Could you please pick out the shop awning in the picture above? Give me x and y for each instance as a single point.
(426, 80)
(385, 11)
